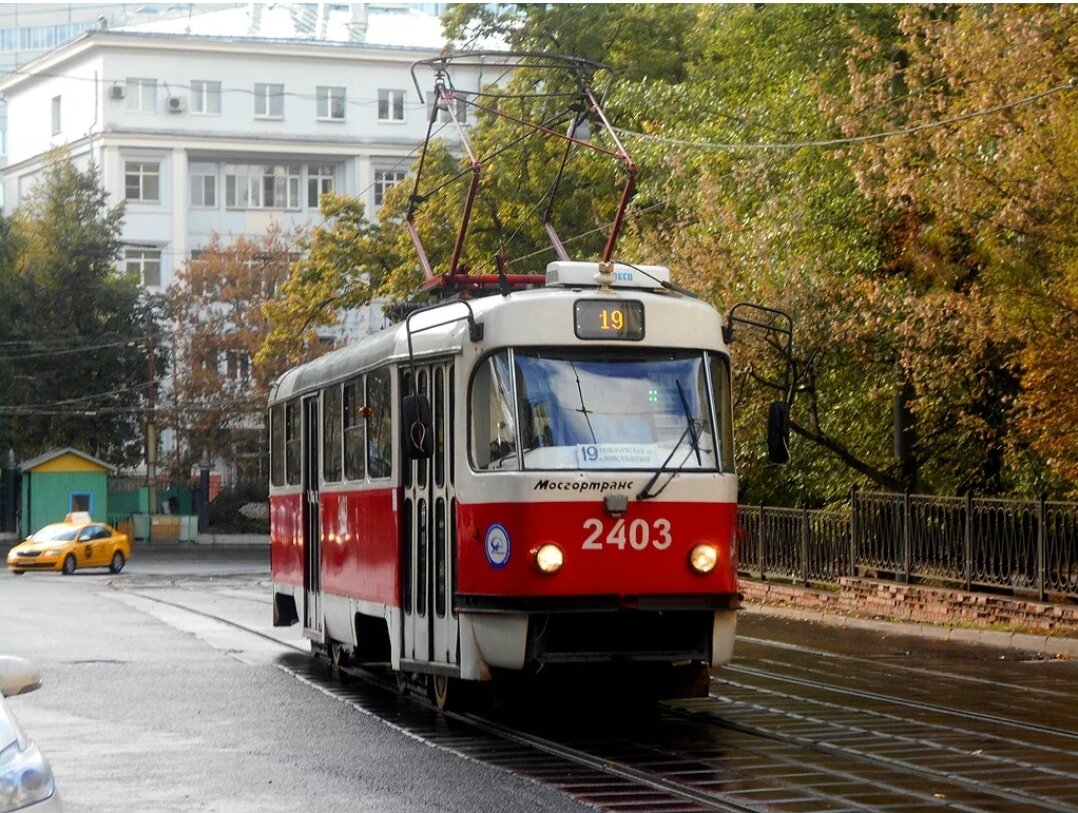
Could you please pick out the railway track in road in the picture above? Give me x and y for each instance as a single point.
(767, 739)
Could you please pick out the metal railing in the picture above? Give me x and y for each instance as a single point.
(1024, 546)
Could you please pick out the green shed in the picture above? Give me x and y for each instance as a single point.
(62, 481)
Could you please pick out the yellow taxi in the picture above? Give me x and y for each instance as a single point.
(75, 543)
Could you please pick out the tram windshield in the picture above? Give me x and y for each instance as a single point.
(552, 408)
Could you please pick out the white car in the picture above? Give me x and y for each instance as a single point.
(26, 781)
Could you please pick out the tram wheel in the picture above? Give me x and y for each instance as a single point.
(402, 683)
(337, 656)
(438, 689)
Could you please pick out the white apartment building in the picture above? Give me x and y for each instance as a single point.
(227, 132)
(229, 121)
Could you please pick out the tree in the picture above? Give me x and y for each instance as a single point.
(341, 264)
(75, 327)
(982, 213)
(216, 306)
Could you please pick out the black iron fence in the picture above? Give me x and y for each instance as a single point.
(1026, 547)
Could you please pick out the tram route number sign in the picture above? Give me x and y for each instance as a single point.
(606, 319)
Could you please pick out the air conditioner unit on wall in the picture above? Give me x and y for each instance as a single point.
(117, 92)
(176, 104)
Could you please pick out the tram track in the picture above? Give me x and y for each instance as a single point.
(898, 701)
(748, 747)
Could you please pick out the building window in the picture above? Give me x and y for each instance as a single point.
(319, 181)
(204, 185)
(460, 108)
(145, 263)
(390, 105)
(142, 95)
(205, 97)
(257, 186)
(384, 180)
(142, 180)
(238, 365)
(330, 103)
(269, 101)
(55, 115)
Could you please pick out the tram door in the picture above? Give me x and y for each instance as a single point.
(429, 543)
(312, 532)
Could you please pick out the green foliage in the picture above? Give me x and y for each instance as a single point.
(341, 263)
(931, 269)
(74, 329)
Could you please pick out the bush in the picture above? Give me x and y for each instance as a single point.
(233, 511)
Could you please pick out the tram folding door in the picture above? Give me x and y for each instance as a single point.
(427, 527)
(312, 531)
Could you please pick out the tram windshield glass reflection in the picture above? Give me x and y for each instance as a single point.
(577, 411)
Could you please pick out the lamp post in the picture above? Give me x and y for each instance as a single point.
(204, 494)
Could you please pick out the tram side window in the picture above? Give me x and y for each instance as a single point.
(331, 434)
(720, 381)
(293, 443)
(380, 424)
(494, 435)
(277, 445)
(355, 430)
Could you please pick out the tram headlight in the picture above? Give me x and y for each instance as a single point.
(704, 557)
(549, 558)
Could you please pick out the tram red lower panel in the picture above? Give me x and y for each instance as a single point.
(360, 545)
(645, 552)
(286, 538)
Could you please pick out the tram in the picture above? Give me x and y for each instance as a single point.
(538, 478)
(513, 481)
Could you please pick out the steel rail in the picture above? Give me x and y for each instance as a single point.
(913, 704)
(917, 670)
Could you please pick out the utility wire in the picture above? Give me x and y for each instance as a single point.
(840, 142)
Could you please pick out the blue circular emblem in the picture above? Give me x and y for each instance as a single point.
(497, 545)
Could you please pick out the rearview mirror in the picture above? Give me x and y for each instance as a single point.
(778, 433)
(418, 433)
(17, 676)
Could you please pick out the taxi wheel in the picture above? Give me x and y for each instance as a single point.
(69, 565)
(117, 563)
(18, 572)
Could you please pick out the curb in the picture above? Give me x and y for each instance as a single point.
(1027, 642)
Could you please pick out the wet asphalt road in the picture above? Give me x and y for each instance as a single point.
(150, 707)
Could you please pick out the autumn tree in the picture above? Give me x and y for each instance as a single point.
(220, 389)
(976, 187)
(340, 264)
(896, 177)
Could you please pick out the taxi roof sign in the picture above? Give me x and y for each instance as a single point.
(78, 518)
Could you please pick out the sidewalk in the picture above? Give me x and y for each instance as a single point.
(944, 615)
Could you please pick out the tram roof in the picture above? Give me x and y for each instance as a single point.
(523, 316)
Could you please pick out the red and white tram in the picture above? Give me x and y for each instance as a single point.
(540, 477)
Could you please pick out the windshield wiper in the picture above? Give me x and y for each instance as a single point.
(690, 422)
(645, 492)
(694, 438)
